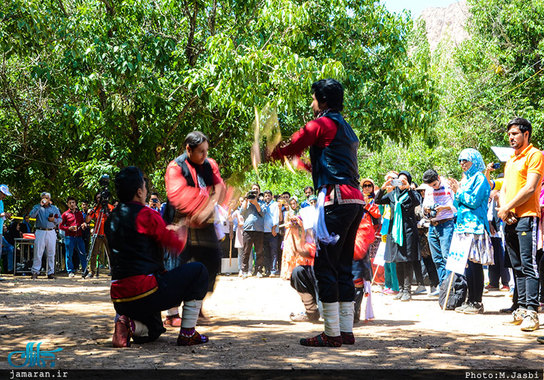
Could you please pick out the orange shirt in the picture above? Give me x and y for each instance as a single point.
(99, 226)
(530, 160)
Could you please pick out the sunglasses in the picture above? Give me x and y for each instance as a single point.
(461, 162)
(367, 185)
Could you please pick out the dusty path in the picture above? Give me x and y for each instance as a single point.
(251, 329)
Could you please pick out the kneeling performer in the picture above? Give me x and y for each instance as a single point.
(140, 287)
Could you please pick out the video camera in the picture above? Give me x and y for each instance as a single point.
(105, 194)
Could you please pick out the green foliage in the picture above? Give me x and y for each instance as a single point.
(88, 87)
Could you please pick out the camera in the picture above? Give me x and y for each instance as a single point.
(251, 194)
(433, 212)
(496, 165)
(105, 194)
(396, 182)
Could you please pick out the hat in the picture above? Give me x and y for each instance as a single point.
(4, 189)
(312, 198)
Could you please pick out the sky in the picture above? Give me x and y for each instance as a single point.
(415, 6)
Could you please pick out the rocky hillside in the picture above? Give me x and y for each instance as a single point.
(446, 23)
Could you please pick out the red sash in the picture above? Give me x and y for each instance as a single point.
(133, 288)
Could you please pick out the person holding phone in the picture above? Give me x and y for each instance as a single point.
(48, 218)
(402, 245)
(154, 202)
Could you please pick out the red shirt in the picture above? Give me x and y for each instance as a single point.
(149, 222)
(319, 132)
(188, 199)
(72, 218)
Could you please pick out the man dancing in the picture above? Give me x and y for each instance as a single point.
(194, 186)
(140, 287)
(333, 153)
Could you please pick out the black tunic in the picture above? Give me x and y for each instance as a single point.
(409, 251)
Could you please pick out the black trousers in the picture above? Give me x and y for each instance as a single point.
(250, 239)
(404, 275)
(521, 241)
(333, 262)
(185, 283)
(303, 280)
(475, 281)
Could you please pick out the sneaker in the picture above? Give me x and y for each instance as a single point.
(245, 275)
(474, 308)
(461, 309)
(304, 317)
(122, 332)
(390, 292)
(518, 316)
(540, 339)
(240, 274)
(530, 321)
(406, 296)
(505, 288)
(420, 290)
(34, 276)
(398, 296)
(508, 310)
(89, 275)
(491, 287)
(71, 275)
(172, 321)
(51, 276)
(435, 292)
(259, 275)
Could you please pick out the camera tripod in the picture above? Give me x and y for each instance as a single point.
(95, 236)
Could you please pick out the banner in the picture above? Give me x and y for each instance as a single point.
(459, 250)
(379, 259)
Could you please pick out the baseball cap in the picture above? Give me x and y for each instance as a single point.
(4, 189)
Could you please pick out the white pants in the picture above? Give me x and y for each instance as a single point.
(45, 240)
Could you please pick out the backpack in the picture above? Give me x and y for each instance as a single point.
(458, 292)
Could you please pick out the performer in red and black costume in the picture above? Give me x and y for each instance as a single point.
(140, 287)
(194, 186)
(333, 153)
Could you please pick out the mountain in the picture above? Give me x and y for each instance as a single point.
(446, 23)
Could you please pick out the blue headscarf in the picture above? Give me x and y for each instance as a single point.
(475, 157)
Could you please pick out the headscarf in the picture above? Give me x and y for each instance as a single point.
(408, 175)
(475, 157)
(397, 231)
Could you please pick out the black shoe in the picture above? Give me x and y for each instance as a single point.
(509, 310)
(34, 276)
(51, 276)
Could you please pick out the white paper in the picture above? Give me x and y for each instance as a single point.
(457, 258)
(379, 259)
(309, 217)
(503, 153)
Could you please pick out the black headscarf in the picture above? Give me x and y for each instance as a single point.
(409, 177)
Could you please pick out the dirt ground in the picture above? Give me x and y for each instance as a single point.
(251, 329)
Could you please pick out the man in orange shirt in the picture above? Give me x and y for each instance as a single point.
(99, 242)
(520, 209)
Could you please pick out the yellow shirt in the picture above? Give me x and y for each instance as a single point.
(530, 160)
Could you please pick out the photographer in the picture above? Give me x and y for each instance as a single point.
(438, 206)
(99, 243)
(154, 203)
(253, 231)
(47, 219)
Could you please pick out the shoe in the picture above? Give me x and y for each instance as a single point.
(505, 288)
(434, 292)
(172, 321)
(347, 338)
(508, 310)
(530, 321)
(51, 276)
(406, 296)
(304, 317)
(491, 287)
(34, 276)
(245, 275)
(541, 307)
(240, 274)
(474, 308)
(322, 340)
(89, 275)
(122, 332)
(195, 338)
(461, 309)
(518, 316)
(259, 275)
(71, 275)
(420, 290)
(390, 292)
(540, 339)
(398, 296)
